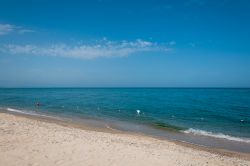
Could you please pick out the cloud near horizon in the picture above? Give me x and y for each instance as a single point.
(104, 48)
(6, 29)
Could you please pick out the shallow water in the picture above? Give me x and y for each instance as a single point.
(203, 116)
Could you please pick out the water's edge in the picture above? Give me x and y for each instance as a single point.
(191, 136)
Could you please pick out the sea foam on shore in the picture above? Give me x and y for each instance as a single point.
(216, 135)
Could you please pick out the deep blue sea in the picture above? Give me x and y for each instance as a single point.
(218, 113)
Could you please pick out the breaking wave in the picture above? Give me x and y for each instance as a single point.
(216, 135)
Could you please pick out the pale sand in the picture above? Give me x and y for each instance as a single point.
(28, 141)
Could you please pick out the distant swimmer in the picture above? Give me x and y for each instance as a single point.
(38, 104)
(138, 112)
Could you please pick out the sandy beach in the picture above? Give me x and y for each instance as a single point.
(29, 141)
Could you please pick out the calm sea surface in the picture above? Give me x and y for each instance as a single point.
(215, 113)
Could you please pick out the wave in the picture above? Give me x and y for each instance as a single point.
(18, 111)
(216, 135)
(28, 113)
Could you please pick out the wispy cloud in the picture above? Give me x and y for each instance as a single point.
(22, 31)
(104, 48)
(6, 29)
(172, 43)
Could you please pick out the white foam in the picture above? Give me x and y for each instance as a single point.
(29, 113)
(216, 135)
(18, 111)
(138, 112)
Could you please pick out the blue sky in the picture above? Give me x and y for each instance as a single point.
(105, 43)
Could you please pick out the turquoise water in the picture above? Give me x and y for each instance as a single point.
(220, 113)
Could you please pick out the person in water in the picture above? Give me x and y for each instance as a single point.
(38, 104)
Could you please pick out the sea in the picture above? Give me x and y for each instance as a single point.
(212, 117)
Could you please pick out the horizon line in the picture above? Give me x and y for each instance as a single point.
(100, 87)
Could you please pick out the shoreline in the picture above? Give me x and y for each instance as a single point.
(104, 126)
(112, 132)
(108, 129)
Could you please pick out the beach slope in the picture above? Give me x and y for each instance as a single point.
(27, 141)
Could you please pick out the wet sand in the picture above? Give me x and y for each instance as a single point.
(25, 140)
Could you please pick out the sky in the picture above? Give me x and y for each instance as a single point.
(108, 43)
